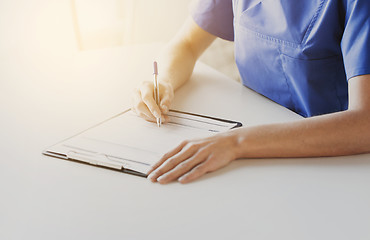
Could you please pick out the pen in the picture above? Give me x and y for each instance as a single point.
(156, 90)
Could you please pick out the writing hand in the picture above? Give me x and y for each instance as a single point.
(144, 105)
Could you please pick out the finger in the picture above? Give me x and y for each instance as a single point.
(147, 96)
(149, 119)
(183, 167)
(166, 100)
(172, 162)
(143, 112)
(165, 104)
(196, 172)
(165, 118)
(166, 156)
(140, 108)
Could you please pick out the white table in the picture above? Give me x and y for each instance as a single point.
(48, 198)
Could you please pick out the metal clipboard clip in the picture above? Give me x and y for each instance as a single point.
(111, 162)
(98, 159)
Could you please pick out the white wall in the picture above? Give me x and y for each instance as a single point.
(158, 20)
(106, 23)
(39, 33)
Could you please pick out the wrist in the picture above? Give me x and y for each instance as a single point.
(245, 147)
(236, 139)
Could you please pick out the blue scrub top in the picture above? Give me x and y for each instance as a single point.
(298, 53)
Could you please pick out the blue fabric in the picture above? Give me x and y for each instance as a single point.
(216, 17)
(299, 54)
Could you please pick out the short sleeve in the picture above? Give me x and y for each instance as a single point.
(356, 38)
(215, 17)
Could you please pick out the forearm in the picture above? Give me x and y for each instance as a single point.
(178, 58)
(176, 63)
(342, 133)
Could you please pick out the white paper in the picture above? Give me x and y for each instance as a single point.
(134, 143)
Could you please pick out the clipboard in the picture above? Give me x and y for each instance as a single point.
(129, 144)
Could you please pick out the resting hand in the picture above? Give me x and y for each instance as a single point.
(144, 105)
(192, 159)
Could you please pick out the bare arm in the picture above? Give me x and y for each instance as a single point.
(176, 64)
(342, 133)
(178, 58)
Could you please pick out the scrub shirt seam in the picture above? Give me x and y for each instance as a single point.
(235, 4)
(286, 81)
(313, 21)
(285, 42)
(269, 38)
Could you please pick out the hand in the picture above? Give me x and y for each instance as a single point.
(192, 159)
(144, 105)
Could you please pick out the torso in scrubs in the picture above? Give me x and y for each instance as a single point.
(298, 53)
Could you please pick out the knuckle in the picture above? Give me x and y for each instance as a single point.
(185, 165)
(172, 161)
(192, 146)
(203, 151)
(201, 169)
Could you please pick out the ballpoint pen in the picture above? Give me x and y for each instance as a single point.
(156, 90)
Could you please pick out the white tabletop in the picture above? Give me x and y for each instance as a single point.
(48, 198)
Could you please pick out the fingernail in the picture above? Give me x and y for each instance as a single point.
(151, 176)
(161, 179)
(182, 179)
